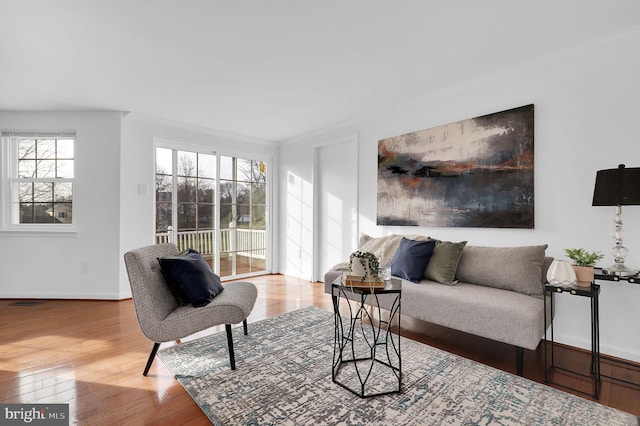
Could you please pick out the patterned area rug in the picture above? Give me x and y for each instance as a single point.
(283, 377)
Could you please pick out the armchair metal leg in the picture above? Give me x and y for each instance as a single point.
(154, 351)
(232, 358)
(244, 326)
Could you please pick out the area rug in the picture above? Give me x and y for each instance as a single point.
(283, 377)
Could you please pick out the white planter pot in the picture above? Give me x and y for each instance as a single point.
(358, 269)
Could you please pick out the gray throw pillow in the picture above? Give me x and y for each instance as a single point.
(443, 264)
(510, 268)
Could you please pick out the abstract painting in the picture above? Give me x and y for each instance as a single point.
(472, 173)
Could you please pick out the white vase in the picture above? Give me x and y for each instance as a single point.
(561, 274)
(357, 268)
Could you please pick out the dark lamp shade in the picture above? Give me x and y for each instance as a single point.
(617, 187)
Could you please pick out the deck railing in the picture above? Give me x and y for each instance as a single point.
(246, 242)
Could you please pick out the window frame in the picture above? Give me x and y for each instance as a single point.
(207, 149)
(10, 220)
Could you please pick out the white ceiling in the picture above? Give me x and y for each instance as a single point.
(274, 69)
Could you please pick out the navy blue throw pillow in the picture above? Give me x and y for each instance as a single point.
(193, 276)
(411, 259)
(173, 284)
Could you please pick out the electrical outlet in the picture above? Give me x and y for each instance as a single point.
(84, 267)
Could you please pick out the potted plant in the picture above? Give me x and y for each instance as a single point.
(583, 263)
(365, 264)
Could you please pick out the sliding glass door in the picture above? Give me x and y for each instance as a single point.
(216, 205)
(243, 216)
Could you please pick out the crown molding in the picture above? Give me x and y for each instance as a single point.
(198, 129)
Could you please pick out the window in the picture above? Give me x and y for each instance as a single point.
(40, 178)
(191, 214)
(215, 204)
(243, 212)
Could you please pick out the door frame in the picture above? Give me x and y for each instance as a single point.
(316, 274)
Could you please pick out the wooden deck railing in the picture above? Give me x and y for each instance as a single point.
(247, 242)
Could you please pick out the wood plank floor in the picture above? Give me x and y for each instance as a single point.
(91, 354)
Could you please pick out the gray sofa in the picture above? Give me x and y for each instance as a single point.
(492, 292)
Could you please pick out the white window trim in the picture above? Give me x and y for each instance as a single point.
(207, 149)
(7, 153)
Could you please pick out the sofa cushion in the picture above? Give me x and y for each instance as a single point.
(385, 246)
(381, 247)
(505, 316)
(192, 274)
(510, 268)
(173, 285)
(411, 259)
(363, 239)
(444, 261)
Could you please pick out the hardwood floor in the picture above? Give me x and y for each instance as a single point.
(91, 354)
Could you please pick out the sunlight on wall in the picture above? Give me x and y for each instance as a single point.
(368, 226)
(335, 230)
(299, 245)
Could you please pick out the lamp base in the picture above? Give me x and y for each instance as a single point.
(620, 270)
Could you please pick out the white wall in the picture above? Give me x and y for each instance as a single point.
(296, 240)
(50, 266)
(139, 135)
(586, 114)
(114, 156)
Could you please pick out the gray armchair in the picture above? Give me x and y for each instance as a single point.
(160, 316)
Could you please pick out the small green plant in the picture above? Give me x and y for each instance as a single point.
(363, 257)
(581, 257)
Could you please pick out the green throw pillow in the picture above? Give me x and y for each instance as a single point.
(443, 264)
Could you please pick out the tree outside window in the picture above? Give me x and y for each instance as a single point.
(43, 181)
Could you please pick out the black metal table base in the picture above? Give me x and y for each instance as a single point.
(634, 367)
(364, 346)
(592, 293)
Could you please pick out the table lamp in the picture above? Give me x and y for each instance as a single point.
(618, 187)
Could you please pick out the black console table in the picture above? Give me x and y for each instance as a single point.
(592, 293)
(599, 275)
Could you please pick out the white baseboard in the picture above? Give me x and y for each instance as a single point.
(604, 349)
(295, 274)
(58, 295)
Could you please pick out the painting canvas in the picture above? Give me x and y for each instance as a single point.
(471, 173)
